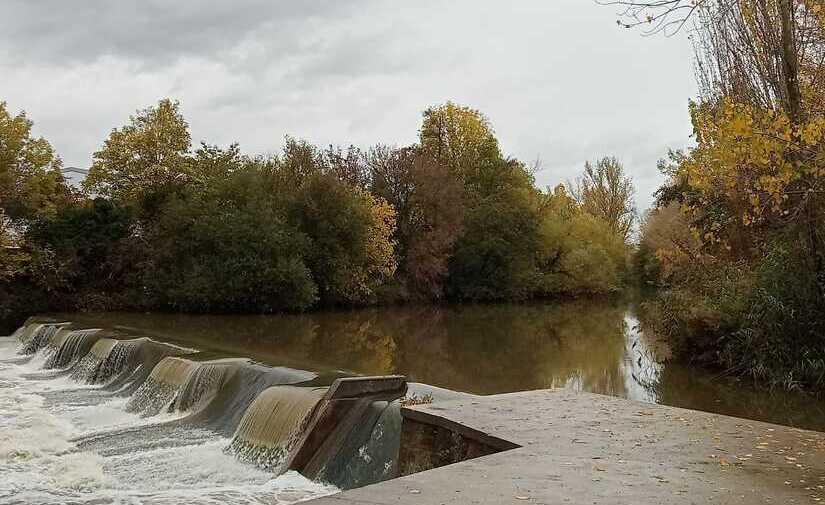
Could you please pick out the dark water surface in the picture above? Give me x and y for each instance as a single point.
(595, 346)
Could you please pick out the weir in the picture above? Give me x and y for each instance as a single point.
(203, 383)
(226, 389)
(548, 446)
(278, 418)
(106, 358)
(162, 385)
(272, 424)
(38, 336)
(69, 346)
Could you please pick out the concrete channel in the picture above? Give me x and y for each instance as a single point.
(560, 446)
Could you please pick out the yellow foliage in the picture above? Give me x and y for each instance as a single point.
(752, 160)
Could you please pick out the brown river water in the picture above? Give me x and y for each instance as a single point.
(595, 346)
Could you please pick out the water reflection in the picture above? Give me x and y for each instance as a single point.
(595, 346)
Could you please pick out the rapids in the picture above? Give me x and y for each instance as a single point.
(94, 417)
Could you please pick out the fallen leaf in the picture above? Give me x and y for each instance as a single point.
(520, 497)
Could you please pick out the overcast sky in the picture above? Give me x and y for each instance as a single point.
(557, 78)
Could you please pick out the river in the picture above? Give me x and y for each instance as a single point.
(589, 345)
(72, 436)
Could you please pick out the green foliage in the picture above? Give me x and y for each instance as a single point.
(83, 247)
(605, 191)
(213, 230)
(350, 232)
(495, 258)
(228, 248)
(762, 319)
(581, 254)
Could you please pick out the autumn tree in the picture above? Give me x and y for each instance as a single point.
(665, 237)
(429, 202)
(460, 138)
(31, 183)
(752, 189)
(758, 123)
(146, 156)
(604, 190)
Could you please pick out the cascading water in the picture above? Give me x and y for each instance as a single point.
(39, 337)
(162, 385)
(69, 346)
(204, 382)
(271, 425)
(99, 417)
(87, 369)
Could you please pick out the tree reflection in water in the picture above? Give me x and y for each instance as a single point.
(587, 345)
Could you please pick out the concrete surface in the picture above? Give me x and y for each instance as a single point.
(584, 448)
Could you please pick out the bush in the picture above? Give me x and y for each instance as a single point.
(228, 248)
(764, 320)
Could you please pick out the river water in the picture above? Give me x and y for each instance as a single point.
(63, 440)
(589, 345)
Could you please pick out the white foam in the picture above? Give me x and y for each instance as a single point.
(29, 431)
(44, 417)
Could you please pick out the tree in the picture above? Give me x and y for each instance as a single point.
(429, 204)
(351, 251)
(228, 247)
(605, 191)
(579, 253)
(31, 183)
(147, 156)
(750, 43)
(752, 191)
(460, 138)
(495, 257)
(84, 249)
(665, 234)
(437, 222)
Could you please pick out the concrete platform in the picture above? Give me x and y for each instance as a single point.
(584, 448)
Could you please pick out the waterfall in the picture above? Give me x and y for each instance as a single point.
(220, 395)
(272, 424)
(69, 346)
(274, 416)
(204, 382)
(107, 359)
(25, 332)
(39, 337)
(162, 385)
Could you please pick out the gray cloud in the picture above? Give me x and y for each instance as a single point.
(556, 78)
(153, 30)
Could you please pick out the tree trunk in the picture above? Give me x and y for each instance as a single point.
(790, 61)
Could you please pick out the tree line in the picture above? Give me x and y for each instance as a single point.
(161, 225)
(736, 240)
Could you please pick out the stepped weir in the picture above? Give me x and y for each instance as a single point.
(373, 438)
(278, 419)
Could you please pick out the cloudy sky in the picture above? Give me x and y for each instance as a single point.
(557, 78)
